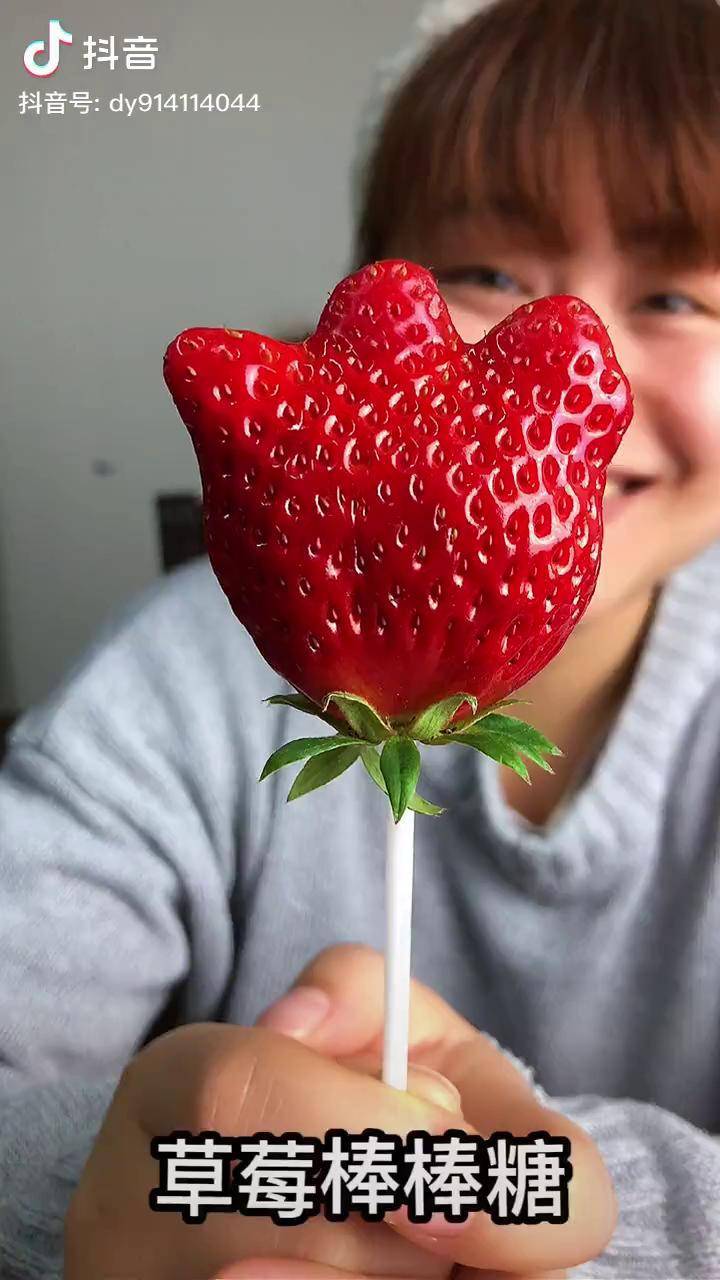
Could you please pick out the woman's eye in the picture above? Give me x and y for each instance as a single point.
(486, 277)
(672, 303)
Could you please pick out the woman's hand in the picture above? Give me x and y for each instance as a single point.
(243, 1080)
(493, 1096)
(236, 1081)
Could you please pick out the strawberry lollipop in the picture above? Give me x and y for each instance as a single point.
(409, 526)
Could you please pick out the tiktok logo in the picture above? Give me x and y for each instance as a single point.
(56, 37)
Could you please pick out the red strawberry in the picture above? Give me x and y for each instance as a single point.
(394, 513)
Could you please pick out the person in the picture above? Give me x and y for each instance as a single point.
(566, 952)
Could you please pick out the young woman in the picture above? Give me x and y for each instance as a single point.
(540, 147)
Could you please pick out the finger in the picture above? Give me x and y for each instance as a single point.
(463, 1273)
(495, 1097)
(504, 1275)
(351, 977)
(423, 1081)
(295, 1269)
(529, 1247)
(239, 1081)
(298, 1269)
(236, 1080)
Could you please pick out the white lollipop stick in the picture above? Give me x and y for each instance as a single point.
(398, 920)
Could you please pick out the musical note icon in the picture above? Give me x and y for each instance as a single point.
(56, 37)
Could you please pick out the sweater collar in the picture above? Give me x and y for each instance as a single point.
(610, 824)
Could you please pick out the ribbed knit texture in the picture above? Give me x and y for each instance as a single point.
(140, 860)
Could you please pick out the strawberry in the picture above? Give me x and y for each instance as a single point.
(409, 526)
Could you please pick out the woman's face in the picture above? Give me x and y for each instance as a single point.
(662, 502)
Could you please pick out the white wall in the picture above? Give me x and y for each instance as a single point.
(116, 234)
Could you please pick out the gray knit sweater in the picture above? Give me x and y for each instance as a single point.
(143, 871)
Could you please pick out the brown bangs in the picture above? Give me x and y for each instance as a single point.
(493, 117)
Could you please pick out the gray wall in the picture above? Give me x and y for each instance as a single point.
(116, 234)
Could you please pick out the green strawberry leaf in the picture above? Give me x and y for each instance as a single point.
(297, 700)
(400, 766)
(464, 725)
(434, 719)
(301, 748)
(524, 736)
(319, 770)
(498, 749)
(502, 736)
(418, 805)
(301, 703)
(362, 718)
(371, 760)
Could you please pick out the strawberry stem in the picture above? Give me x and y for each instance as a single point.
(388, 750)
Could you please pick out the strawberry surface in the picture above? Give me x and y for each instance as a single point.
(396, 513)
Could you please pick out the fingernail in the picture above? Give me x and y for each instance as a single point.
(298, 1013)
(429, 1084)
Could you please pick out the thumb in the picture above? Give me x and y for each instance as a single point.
(423, 1081)
(429, 1084)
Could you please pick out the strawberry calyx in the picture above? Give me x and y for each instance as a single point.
(388, 748)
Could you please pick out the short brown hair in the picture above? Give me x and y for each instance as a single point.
(489, 119)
